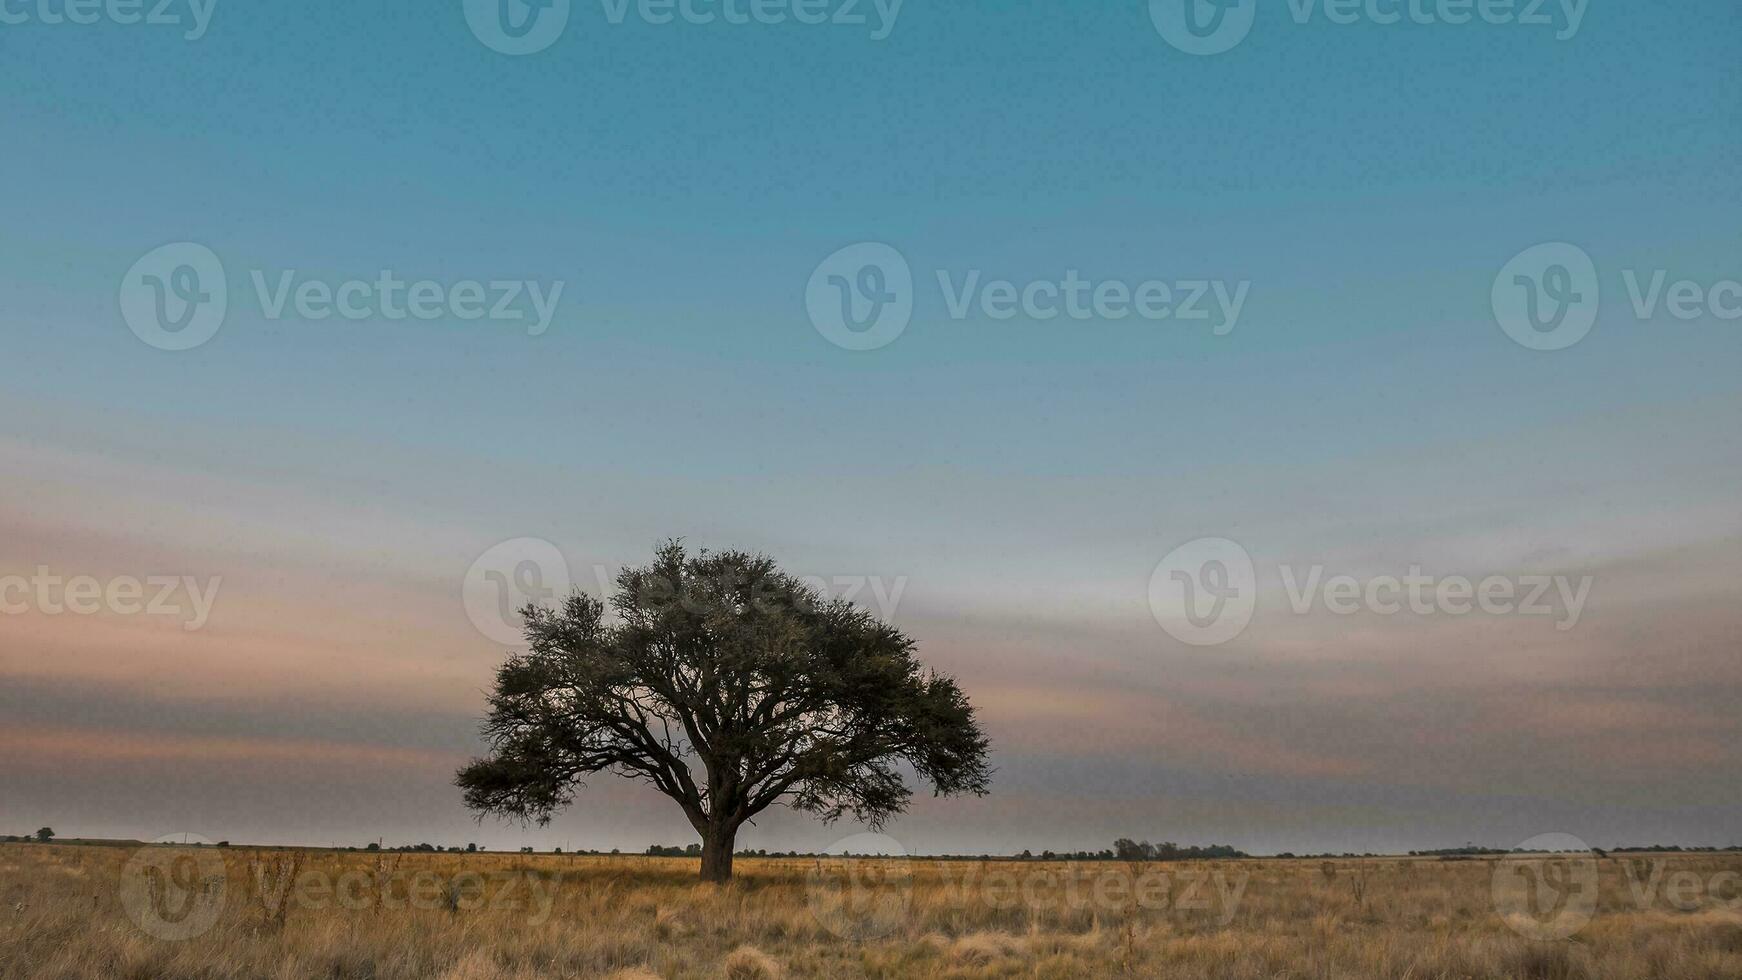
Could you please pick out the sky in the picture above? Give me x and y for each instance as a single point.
(337, 499)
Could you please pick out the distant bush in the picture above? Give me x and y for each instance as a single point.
(660, 850)
(1125, 849)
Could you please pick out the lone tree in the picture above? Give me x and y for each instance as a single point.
(45, 835)
(730, 686)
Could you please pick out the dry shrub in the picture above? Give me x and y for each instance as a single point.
(984, 948)
(750, 963)
(1539, 961)
(476, 965)
(673, 923)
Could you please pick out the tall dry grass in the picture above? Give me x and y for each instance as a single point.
(281, 915)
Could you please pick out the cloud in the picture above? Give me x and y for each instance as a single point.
(49, 749)
(339, 645)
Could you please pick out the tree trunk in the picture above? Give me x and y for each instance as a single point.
(717, 844)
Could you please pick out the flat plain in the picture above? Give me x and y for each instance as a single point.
(93, 912)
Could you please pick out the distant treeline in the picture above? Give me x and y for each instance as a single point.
(1469, 850)
(420, 849)
(1676, 849)
(1123, 849)
(1472, 850)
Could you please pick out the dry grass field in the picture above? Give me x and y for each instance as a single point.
(86, 913)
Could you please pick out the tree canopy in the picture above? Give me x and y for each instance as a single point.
(731, 687)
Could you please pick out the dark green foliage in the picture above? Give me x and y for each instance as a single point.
(730, 686)
(1126, 849)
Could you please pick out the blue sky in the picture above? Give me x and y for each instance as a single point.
(684, 180)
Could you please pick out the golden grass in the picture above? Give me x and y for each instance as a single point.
(281, 915)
